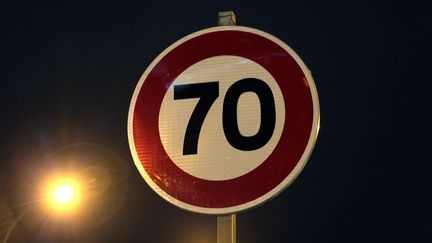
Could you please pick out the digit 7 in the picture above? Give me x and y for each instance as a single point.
(208, 93)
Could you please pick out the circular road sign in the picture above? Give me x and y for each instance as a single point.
(223, 120)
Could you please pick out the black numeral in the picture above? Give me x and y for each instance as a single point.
(208, 93)
(268, 114)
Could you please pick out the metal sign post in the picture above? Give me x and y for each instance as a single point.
(227, 18)
(236, 147)
(226, 224)
(226, 228)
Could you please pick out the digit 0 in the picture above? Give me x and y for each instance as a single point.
(268, 114)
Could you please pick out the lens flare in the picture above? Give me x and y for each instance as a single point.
(64, 194)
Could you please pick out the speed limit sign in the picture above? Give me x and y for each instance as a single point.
(223, 120)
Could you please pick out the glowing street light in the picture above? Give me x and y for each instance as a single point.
(64, 194)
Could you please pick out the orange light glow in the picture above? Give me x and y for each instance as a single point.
(64, 194)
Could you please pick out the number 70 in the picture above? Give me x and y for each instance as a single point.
(208, 93)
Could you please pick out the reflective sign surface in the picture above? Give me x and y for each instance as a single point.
(223, 120)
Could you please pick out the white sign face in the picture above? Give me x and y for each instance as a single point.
(216, 159)
(223, 120)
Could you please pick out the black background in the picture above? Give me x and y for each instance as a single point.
(68, 71)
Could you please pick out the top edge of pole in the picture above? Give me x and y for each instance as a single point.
(226, 18)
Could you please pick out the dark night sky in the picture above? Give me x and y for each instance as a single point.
(68, 72)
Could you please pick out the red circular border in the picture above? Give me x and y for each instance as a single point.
(291, 146)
